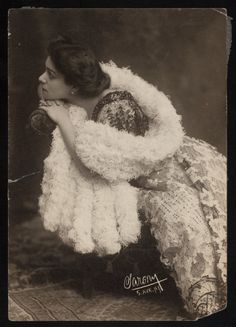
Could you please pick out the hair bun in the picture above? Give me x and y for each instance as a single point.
(105, 82)
(78, 65)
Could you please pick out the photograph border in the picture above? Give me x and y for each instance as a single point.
(223, 318)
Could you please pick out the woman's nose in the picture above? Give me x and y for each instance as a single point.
(42, 78)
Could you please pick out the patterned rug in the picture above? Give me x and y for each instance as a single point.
(49, 282)
(62, 302)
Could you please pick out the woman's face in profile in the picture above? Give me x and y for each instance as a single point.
(52, 84)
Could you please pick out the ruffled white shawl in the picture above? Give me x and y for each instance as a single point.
(99, 213)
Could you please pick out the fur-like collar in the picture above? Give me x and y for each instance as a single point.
(118, 155)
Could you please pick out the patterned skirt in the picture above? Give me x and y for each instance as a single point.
(185, 204)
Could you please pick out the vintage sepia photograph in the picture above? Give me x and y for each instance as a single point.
(117, 163)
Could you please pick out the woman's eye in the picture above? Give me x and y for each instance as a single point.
(51, 76)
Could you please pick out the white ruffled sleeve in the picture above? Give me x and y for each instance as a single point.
(119, 155)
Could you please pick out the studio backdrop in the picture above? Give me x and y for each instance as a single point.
(181, 51)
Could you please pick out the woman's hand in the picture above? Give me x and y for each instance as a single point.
(55, 109)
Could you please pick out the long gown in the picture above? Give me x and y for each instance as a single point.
(184, 200)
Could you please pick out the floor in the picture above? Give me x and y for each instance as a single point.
(49, 282)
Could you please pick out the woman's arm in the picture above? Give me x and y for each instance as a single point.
(126, 151)
(67, 131)
(116, 154)
(60, 115)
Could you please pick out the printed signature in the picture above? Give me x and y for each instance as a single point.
(144, 285)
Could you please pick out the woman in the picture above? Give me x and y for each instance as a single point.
(119, 149)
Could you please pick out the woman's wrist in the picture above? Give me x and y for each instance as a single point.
(56, 111)
(63, 121)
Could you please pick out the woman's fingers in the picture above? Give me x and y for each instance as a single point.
(50, 103)
(45, 108)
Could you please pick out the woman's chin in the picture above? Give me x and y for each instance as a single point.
(40, 92)
(46, 97)
(43, 94)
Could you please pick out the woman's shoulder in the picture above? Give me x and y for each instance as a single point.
(119, 109)
(111, 96)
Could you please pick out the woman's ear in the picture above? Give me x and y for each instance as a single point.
(74, 90)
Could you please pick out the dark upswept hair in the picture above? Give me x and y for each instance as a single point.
(78, 65)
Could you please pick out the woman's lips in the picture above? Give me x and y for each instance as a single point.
(41, 90)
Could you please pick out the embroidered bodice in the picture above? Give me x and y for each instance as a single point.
(120, 110)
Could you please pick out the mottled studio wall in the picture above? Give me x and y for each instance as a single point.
(183, 52)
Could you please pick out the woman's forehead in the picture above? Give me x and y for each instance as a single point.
(49, 64)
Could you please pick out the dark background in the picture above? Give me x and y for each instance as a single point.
(182, 51)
